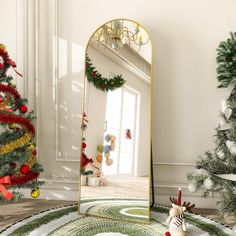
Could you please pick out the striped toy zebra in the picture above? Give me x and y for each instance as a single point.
(175, 221)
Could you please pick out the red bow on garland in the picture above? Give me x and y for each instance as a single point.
(7, 194)
(8, 60)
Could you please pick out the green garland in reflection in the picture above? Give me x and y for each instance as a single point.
(101, 82)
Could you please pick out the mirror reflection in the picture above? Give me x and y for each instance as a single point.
(115, 161)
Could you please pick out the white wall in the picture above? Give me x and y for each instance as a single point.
(186, 101)
(185, 34)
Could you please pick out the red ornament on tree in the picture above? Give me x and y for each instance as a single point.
(34, 152)
(23, 109)
(1, 66)
(1, 99)
(24, 169)
(84, 145)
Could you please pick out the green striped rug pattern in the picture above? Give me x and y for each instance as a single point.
(67, 221)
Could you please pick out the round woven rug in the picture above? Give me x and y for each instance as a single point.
(66, 221)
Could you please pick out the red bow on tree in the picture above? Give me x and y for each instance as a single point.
(86, 160)
(7, 194)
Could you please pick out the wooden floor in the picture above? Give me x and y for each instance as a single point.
(14, 212)
(119, 186)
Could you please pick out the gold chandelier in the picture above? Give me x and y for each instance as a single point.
(115, 34)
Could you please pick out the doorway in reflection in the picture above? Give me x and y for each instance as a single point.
(122, 120)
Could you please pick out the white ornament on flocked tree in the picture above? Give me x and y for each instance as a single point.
(208, 184)
(220, 154)
(231, 146)
(192, 188)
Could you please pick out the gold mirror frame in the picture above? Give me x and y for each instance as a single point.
(83, 110)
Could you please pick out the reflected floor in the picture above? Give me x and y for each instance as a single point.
(126, 209)
(119, 186)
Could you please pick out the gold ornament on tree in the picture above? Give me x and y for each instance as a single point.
(35, 193)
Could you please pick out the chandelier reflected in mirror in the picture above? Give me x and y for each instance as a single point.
(115, 34)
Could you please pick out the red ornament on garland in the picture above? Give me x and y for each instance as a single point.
(1, 99)
(94, 74)
(1, 66)
(84, 145)
(24, 169)
(23, 109)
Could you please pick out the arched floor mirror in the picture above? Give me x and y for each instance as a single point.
(116, 144)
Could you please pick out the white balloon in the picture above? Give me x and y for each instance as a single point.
(192, 188)
(208, 183)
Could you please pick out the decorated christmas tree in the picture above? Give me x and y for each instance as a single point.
(216, 170)
(18, 163)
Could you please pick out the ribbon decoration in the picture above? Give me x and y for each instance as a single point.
(231, 177)
(7, 194)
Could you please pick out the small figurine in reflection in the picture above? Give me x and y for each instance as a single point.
(102, 181)
(128, 134)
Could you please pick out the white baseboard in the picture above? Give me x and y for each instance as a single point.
(68, 190)
(200, 202)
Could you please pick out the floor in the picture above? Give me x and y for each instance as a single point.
(119, 186)
(11, 213)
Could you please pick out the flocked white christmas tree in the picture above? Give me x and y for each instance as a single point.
(216, 171)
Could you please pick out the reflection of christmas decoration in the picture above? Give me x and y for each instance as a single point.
(21, 170)
(109, 161)
(101, 82)
(102, 181)
(85, 160)
(106, 149)
(99, 173)
(109, 147)
(99, 158)
(35, 193)
(128, 134)
(218, 168)
(100, 148)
